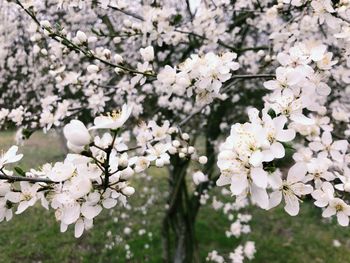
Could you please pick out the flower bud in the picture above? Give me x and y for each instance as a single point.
(92, 69)
(176, 143)
(190, 149)
(123, 161)
(128, 190)
(185, 136)
(199, 177)
(81, 37)
(127, 173)
(172, 150)
(117, 40)
(118, 58)
(172, 130)
(203, 159)
(159, 163)
(184, 150)
(107, 53)
(76, 133)
(74, 148)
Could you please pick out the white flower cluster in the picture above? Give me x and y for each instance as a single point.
(78, 188)
(201, 76)
(247, 158)
(249, 146)
(97, 175)
(159, 143)
(240, 253)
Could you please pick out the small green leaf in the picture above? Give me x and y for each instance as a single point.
(20, 171)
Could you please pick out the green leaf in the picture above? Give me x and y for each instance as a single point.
(20, 171)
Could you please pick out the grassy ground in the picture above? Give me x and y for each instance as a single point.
(34, 236)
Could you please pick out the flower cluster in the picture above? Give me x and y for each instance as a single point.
(249, 146)
(201, 76)
(247, 159)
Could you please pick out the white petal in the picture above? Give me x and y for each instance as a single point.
(277, 150)
(301, 189)
(275, 199)
(78, 228)
(259, 196)
(109, 203)
(259, 177)
(90, 211)
(70, 214)
(326, 138)
(317, 53)
(21, 207)
(301, 119)
(343, 219)
(316, 146)
(329, 211)
(239, 183)
(340, 145)
(275, 180)
(336, 156)
(13, 197)
(285, 135)
(63, 227)
(296, 173)
(256, 158)
(292, 204)
(223, 180)
(271, 85)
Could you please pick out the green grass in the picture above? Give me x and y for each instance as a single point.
(34, 236)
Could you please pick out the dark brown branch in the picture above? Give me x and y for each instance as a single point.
(12, 178)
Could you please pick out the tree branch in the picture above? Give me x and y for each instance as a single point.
(66, 42)
(27, 179)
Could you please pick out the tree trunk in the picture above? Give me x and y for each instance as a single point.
(178, 230)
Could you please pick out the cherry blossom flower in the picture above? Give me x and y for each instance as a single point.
(147, 53)
(339, 208)
(291, 189)
(26, 198)
(10, 156)
(327, 147)
(114, 120)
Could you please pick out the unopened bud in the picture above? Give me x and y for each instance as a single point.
(128, 190)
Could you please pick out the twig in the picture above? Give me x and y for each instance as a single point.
(27, 179)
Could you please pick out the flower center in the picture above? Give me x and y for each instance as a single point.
(115, 114)
(339, 208)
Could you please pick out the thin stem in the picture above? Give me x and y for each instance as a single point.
(127, 13)
(253, 76)
(106, 164)
(26, 179)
